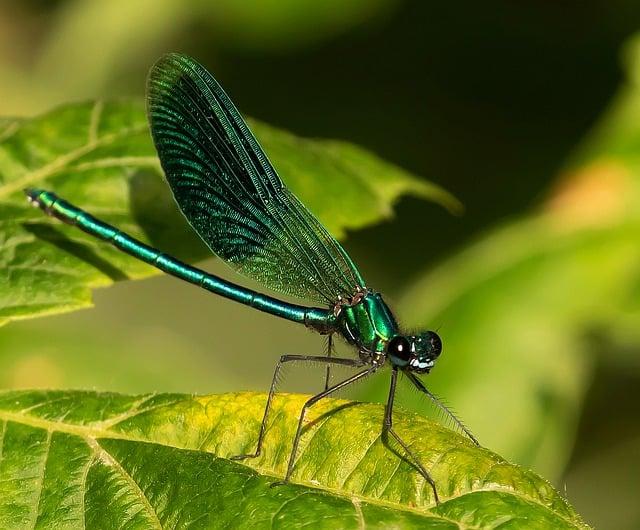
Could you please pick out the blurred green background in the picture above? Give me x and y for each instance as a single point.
(526, 111)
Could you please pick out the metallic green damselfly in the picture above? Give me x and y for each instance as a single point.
(231, 195)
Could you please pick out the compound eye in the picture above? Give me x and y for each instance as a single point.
(436, 344)
(400, 348)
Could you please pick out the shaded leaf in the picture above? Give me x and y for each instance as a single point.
(525, 308)
(518, 312)
(100, 157)
(88, 460)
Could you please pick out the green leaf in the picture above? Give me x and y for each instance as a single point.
(100, 157)
(524, 310)
(516, 311)
(89, 460)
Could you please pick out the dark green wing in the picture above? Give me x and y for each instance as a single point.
(230, 193)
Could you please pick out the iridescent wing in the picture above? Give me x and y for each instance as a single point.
(231, 195)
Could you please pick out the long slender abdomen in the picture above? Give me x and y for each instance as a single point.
(315, 318)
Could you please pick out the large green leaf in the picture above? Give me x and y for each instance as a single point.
(525, 308)
(88, 460)
(100, 156)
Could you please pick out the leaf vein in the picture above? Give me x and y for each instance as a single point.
(94, 124)
(356, 505)
(40, 481)
(62, 161)
(135, 409)
(83, 488)
(9, 130)
(136, 489)
(43, 404)
(109, 424)
(364, 456)
(288, 501)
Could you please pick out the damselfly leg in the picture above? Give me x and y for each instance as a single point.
(329, 354)
(355, 363)
(312, 401)
(420, 386)
(388, 429)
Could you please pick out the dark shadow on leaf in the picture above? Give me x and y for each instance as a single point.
(51, 235)
(328, 413)
(384, 434)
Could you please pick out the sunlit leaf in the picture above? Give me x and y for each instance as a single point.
(87, 460)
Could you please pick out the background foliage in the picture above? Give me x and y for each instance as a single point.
(528, 113)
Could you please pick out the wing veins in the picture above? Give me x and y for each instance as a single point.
(252, 170)
(232, 194)
(238, 145)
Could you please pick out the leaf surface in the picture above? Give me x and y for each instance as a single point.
(89, 460)
(100, 157)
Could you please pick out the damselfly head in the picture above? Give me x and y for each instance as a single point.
(417, 353)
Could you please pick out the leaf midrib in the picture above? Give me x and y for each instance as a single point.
(108, 459)
(40, 482)
(32, 177)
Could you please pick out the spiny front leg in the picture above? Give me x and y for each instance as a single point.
(420, 386)
(329, 354)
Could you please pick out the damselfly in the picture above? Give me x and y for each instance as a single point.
(231, 195)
